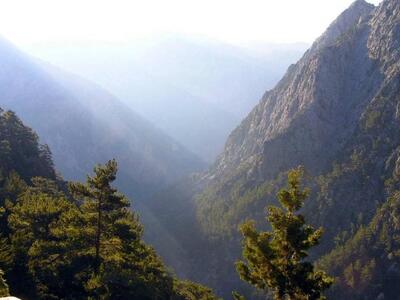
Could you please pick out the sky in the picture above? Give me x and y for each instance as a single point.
(27, 22)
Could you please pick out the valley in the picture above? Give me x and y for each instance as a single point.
(201, 136)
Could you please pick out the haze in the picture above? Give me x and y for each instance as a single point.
(171, 61)
(238, 22)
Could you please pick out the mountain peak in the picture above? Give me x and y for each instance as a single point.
(346, 20)
(318, 87)
(361, 3)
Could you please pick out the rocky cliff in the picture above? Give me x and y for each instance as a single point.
(319, 100)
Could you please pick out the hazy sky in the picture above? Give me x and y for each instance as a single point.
(234, 21)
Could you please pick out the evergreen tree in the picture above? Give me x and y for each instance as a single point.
(10, 189)
(86, 244)
(20, 149)
(38, 238)
(90, 247)
(275, 260)
(102, 207)
(6, 251)
(120, 265)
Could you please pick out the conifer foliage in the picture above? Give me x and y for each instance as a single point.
(3, 286)
(119, 263)
(20, 149)
(275, 260)
(81, 243)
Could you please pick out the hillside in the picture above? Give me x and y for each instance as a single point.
(21, 152)
(83, 125)
(366, 264)
(336, 113)
(48, 229)
(194, 89)
(335, 95)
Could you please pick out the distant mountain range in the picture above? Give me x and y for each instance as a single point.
(83, 124)
(196, 90)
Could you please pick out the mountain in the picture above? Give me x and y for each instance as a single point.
(84, 125)
(196, 90)
(20, 151)
(47, 231)
(322, 100)
(205, 68)
(366, 266)
(309, 102)
(336, 112)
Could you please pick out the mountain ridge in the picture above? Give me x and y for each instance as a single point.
(77, 111)
(177, 82)
(273, 119)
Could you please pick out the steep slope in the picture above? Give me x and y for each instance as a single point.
(312, 115)
(336, 112)
(310, 102)
(84, 125)
(21, 152)
(178, 83)
(366, 266)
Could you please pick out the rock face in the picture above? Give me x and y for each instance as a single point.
(314, 113)
(318, 102)
(85, 125)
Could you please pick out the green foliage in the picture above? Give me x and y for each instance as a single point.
(222, 206)
(90, 247)
(37, 238)
(20, 150)
(275, 260)
(237, 296)
(346, 188)
(187, 290)
(6, 254)
(366, 263)
(103, 211)
(110, 240)
(86, 244)
(4, 292)
(372, 119)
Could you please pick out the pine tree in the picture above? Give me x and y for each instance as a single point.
(275, 260)
(39, 242)
(20, 149)
(121, 266)
(6, 251)
(86, 244)
(87, 247)
(102, 207)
